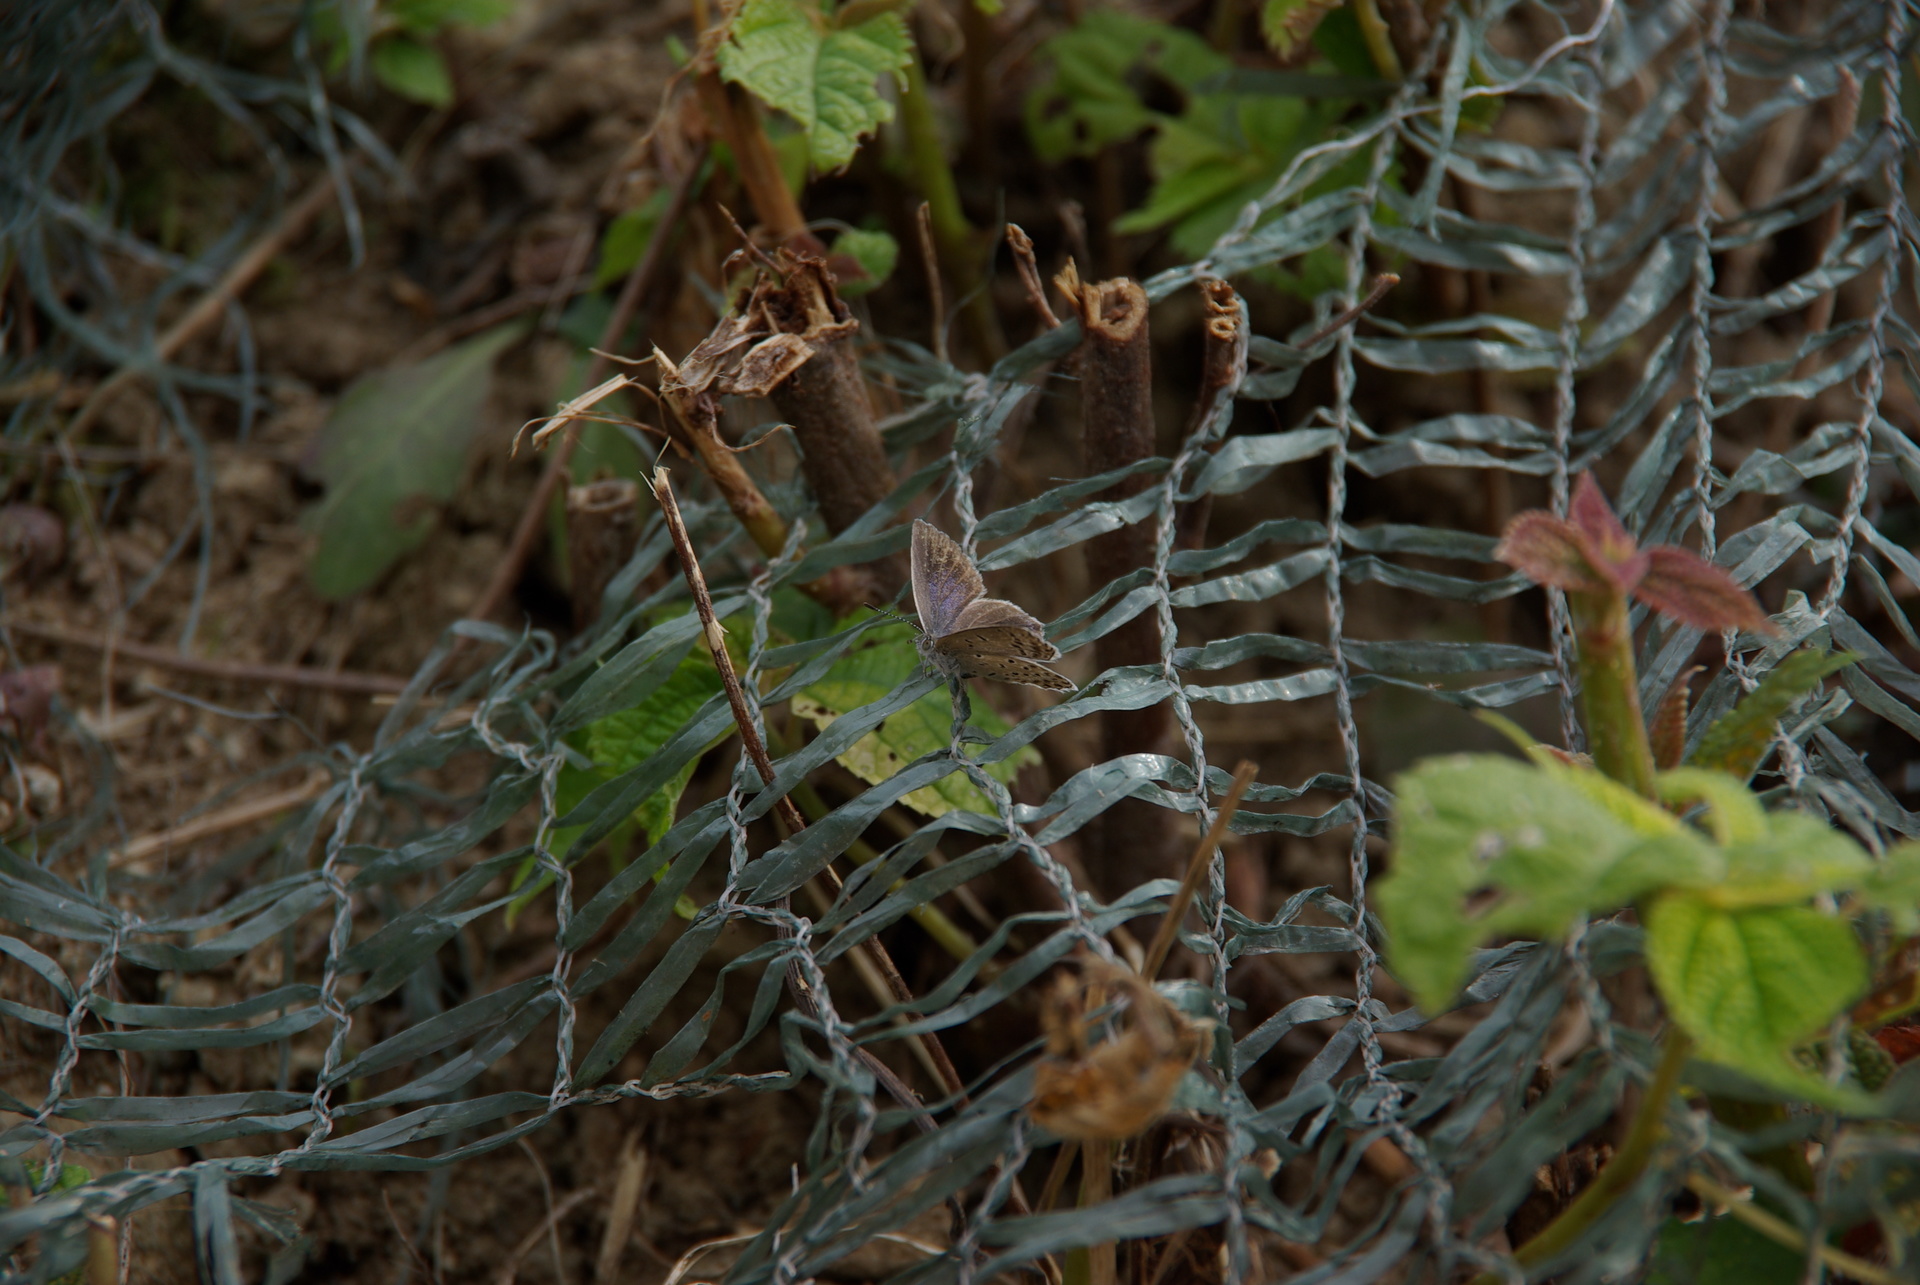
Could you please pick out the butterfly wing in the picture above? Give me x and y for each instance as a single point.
(1000, 640)
(987, 613)
(944, 579)
(1013, 669)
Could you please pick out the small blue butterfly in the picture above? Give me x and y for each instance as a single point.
(964, 632)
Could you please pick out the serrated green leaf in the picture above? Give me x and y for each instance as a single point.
(413, 70)
(391, 452)
(1488, 847)
(619, 743)
(1288, 25)
(1749, 984)
(1739, 739)
(1086, 99)
(1225, 150)
(781, 52)
(877, 253)
(870, 673)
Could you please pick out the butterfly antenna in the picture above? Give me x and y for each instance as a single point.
(877, 609)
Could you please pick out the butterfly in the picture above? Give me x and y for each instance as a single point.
(964, 632)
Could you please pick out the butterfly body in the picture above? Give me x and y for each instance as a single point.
(964, 633)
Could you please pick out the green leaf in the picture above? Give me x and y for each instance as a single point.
(1289, 24)
(877, 253)
(1749, 984)
(391, 452)
(1225, 150)
(1488, 847)
(626, 239)
(870, 673)
(780, 51)
(1740, 739)
(413, 70)
(1720, 1251)
(1340, 42)
(1894, 886)
(1086, 98)
(620, 742)
(423, 17)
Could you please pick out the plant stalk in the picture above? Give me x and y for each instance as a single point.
(1137, 839)
(933, 179)
(1643, 1138)
(1610, 689)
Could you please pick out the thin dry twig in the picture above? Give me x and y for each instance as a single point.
(510, 1269)
(930, 260)
(533, 517)
(628, 1183)
(1197, 865)
(785, 809)
(413, 1250)
(1030, 279)
(553, 1217)
(208, 308)
(1381, 284)
(347, 682)
(229, 818)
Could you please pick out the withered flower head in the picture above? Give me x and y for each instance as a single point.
(1111, 1091)
(1590, 552)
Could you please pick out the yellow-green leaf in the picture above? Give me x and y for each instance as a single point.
(1289, 24)
(1750, 984)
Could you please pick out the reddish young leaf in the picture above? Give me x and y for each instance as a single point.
(1682, 584)
(1547, 550)
(1609, 546)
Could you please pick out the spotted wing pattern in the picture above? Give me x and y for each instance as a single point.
(1012, 669)
(1000, 640)
(944, 579)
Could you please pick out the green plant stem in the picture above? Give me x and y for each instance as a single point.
(1373, 29)
(933, 179)
(1643, 1137)
(1743, 1209)
(1610, 690)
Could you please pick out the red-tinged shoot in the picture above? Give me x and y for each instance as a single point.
(1600, 565)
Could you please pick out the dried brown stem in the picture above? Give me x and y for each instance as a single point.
(1197, 866)
(603, 527)
(506, 572)
(738, 121)
(1116, 416)
(1381, 284)
(716, 637)
(1223, 361)
(930, 261)
(232, 671)
(1030, 279)
(825, 399)
(785, 810)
